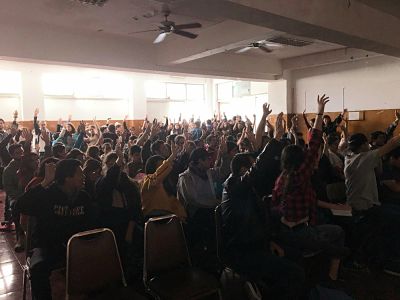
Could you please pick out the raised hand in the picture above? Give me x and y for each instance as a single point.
(266, 110)
(27, 135)
(279, 127)
(45, 137)
(322, 101)
(49, 174)
(36, 113)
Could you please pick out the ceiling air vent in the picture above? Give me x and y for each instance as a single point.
(289, 41)
(93, 2)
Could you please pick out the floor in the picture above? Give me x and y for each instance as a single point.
(363, 285)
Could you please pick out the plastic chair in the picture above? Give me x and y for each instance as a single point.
(167, 271)
(94, 266)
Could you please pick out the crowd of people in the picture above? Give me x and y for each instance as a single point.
(280, 192)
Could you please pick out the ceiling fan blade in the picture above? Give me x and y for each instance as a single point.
(185, 34)
(142, 31)
(187, 26)
(245, 49)
(160, 38)
(265, 49)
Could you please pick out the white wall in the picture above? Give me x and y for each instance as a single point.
(277, 97)
(367, 84)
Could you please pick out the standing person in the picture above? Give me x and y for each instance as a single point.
(41, 129)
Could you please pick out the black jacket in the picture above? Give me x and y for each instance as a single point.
(57, 216)
(243, 212)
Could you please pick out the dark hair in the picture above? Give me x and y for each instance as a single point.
(93, 152)
(240, 160)
(209, 137)
(198, 154)
(109, 141)
(151, 164)
(111, 155)
(58, 148)
(90, 166)
(2, 120)
(135, 149)
(156, 146)
(231, 146)
(179, 137)
(291, 160)
(111, 128)
(26, 170)
(326, 117)
(43, 163)
(374, 135)
(356, 141)
(73, 127)
(333, 138)
(65, 169)
(74, 154)
(13, 148)
(395, 153)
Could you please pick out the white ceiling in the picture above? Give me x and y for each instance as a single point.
(123, 17)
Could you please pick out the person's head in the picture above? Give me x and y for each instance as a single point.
(232, 148)
(333, 141)
(179, 142)
(394, 158)
(119, 128)
(358, 142)
(106, 148)
(2, 123)
(159, 148)
(190, 146)
(93, 152)
(76, 154)
(378, 138)
(59, 150)
(241, 163)
(29, 164)
(197, 124)
(326, 119)
(110, 160)
(16, 151)
(292, 158)
(111, 128)
(245, 145)
(43, 163)
(153, 163)
(42, 125)
(69, 175)
(212, 141)
(200, 158)
(92, 170)
(134, 153)
(70, 128)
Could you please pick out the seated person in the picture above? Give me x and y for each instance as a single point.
(295, 199)
(155, 197)
(246, 240)
(61, 210)
(390, 180)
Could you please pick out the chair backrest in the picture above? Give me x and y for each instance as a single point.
(93, 262)
(164, 246)
(218, 233)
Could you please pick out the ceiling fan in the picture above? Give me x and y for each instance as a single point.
(167, 27)
(262, 45)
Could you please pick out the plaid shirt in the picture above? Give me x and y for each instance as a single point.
(301, 201)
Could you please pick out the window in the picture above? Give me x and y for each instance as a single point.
(176, 91)
(156, 90)
(225, 91)
(195, 92)
(10, 82)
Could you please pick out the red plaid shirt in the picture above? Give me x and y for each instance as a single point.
(301, 201)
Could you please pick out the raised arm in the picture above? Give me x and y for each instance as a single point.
(261, 126)
(35, 122)
(306, 120)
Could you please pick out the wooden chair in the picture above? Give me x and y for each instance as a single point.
(94, 267)
(167, 271)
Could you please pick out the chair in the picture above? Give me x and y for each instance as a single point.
(250, 286)
(27, 227)
(167, 271)
(94, 266)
